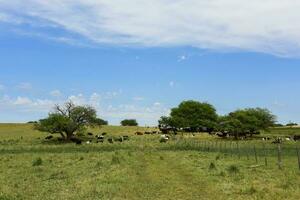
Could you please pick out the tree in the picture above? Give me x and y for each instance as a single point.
(165, 122)
(129, 122)
(247, 121)
(192, 114)
(291, 124)
(68, 119)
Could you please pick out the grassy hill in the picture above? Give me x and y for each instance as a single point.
(201, 167)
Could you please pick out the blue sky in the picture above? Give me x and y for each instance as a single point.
(142, 65)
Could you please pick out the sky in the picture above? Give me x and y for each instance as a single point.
(138, 58)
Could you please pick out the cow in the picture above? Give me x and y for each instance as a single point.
(119, 139)
(139, 133)
(154, 132)
(49, 137)
(76, 141)
(125, 137)
(110, 140)
(277, 141)
(90, 134)
(147, 133)
(164, 138)
(104, 133)
(100, 138)
(296, 137)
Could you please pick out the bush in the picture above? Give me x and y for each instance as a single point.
(129, 122)
(233, 169)
(37, 162)
(212, 166)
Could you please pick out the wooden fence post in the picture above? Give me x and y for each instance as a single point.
(238, 149)
(279, 156)
(231, 149)
(298, 155)
(255, 154)
(265, 154)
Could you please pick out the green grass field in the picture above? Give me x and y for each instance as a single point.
(201, 167)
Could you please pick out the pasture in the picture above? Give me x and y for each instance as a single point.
(200, 167)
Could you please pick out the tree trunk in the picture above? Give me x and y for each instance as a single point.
(63, 136)
(69, 136)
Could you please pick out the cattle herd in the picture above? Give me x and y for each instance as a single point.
(164, 137)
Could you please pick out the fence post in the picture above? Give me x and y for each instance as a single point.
(279, 156)
(238, 149)
(255, 154)
(298, 155)
(231, 149)
(265, 154)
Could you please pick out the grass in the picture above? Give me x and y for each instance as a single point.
(201, 167)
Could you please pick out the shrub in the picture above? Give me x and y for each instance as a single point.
(212, 166)
(233, 169)
(37, 162)
(115, 160)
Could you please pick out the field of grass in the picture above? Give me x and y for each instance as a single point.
(201, 167)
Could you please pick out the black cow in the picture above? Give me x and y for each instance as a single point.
(125, 137)
(90, 134)
(104, 134)
(110, 140)
(277, 141)
(76, 141)
(49, 137)
(296, 137)
(119, 139)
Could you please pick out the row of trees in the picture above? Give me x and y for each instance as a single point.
(69, 119)
(196, 116)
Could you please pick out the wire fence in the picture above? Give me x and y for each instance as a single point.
(263, 153)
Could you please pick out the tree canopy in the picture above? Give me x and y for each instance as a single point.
(68, 119)
(129, 122)
(191, 114)
(198, 116)
(246, 121)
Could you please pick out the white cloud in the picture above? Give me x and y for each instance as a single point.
(145, 114)
(138, 98)
(55, 93)
(171, 83)
(24, 86)
(157, 104)
(182, 58)
(22, 101)
(269, 26)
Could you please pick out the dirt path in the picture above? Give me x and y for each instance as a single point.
(162, 176)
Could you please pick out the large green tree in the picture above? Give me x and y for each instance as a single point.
(246, 121)
(68, 119)
(129, 122)
(192, 114)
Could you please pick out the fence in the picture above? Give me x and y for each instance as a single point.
(260, 152)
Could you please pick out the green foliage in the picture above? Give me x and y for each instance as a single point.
(212, 166)
(69, 119)
(192, 114)
(291, 124)
(129, 122)
(233, 169)
(37, 162)
(246, 121)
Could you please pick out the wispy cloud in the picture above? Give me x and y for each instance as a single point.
(138, 98)
(260, 26)
(171, 83)
(56, 93)
(24, 86)
(2, 87)
(146, 114)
